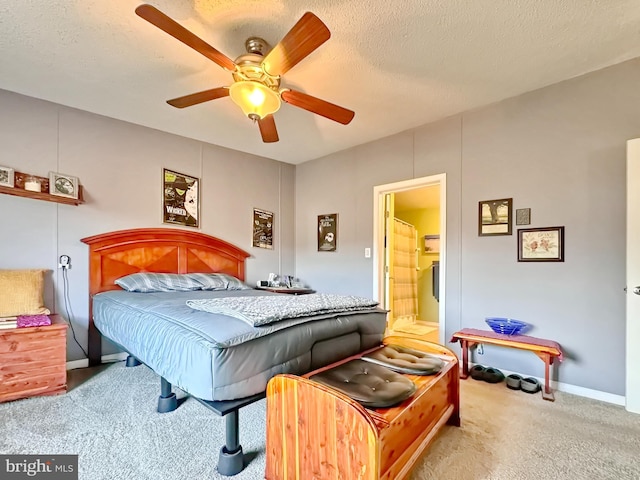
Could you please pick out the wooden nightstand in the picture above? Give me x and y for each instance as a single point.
(33, 360)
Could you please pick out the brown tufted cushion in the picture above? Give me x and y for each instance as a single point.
(373, 386)
(406, 360)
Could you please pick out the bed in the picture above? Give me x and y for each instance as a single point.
(222, 361)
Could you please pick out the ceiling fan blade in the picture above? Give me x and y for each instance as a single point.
(268, 129)
(200, 97)
(305, 36)
(315, 105)
(156, 17)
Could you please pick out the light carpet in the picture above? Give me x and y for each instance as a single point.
(111, 422)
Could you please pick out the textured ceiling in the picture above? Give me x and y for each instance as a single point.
(398, 65)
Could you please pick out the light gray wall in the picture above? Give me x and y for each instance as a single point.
(559, 151)
(120, 166)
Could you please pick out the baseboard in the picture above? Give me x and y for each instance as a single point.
(587, 392)
(84, 363)
(575, 390)
(429, 324)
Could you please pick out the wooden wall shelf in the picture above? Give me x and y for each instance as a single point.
(19, 191)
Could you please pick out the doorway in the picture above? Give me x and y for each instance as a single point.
(409, 275)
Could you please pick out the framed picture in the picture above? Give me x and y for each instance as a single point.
(328, 232)
(541, 244)
(432, 244)
(494, 217)
(262, 229)
(63, 185)
(180, 199)
(523, 216)
(7, 177)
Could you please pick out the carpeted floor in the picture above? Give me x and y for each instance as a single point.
(111, 422)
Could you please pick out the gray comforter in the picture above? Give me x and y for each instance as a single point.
(258, 311)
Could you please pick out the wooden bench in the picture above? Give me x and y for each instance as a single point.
(314, 431)
(546, 350)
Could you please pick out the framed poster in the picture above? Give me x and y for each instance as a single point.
(541, 244)
(262, 229)
(180, 199)
(328, 232)
(494, 217)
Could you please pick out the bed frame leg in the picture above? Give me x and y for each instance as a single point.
(167, 402)
(231, 459)
(132, 361)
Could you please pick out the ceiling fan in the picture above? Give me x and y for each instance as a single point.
(257, 73)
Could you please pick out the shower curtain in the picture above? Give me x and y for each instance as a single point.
(405, 273)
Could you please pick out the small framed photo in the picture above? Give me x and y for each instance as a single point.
(523, 216)
(494, 217)
(63, 185)
(432, 244)
(7, 177)
(180, 199)
(541, 244)
(328, 232)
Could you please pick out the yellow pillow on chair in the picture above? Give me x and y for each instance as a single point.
(21, 293)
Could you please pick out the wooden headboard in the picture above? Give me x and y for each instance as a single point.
(160, 250)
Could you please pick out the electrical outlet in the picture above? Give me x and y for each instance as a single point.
(65, 262)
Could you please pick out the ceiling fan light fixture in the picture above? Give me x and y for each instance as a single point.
(257, 73)
(254, 98)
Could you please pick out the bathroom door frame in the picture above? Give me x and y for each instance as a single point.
(379, 249)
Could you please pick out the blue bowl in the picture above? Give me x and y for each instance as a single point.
(507, 326)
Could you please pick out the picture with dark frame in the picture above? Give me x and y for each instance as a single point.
(180, 199)
(328, 232)
(541, 244)
(262, 229)
(494, 217)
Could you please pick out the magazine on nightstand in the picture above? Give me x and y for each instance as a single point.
(8, 322)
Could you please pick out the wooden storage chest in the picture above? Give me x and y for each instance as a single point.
(33, 360)
(315, 432)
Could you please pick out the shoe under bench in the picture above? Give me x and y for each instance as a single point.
(546, 350)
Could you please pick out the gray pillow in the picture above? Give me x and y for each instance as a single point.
(219, 281)
(158, 282)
